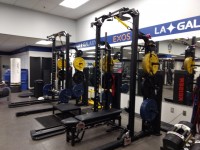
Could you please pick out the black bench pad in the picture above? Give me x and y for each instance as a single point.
(66, 107)
(94, 116)
(69, 121)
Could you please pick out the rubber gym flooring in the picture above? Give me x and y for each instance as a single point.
(15, 132)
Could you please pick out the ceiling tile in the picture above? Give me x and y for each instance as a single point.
(26, 3)
(8, 1)
(44, 6)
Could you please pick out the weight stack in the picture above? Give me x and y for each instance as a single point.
(38, 88)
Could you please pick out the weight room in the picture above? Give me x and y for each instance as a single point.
(103, 75)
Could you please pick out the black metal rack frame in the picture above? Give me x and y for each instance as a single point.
(135, 26)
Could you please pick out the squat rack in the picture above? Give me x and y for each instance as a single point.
(98, 23)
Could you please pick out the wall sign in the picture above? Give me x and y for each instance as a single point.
(175, 27)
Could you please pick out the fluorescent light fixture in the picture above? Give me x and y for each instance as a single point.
(43, 42)
(90, 56)
(141, 52)
(198, 41)
(73, 3)
(90, 52)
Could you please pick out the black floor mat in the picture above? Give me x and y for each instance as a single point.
(49, 121)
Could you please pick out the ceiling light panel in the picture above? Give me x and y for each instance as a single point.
(73, 3)
(43, 42)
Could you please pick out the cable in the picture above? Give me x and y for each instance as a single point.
(175, 118)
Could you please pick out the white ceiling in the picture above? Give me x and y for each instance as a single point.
(53, 7)
(9, 43)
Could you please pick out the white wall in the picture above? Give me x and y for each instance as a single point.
(24, 22)
(152, 12)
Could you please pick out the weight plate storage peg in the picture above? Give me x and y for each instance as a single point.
(79, 63)
(59, 63)
(150, 63)
(78, 90)
(65, 95)
(47, 90)
(189, 65)
(148, 110)
(78, 77)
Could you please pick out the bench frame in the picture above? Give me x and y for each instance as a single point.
(76, 131)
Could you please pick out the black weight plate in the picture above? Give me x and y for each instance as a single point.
(78, 77)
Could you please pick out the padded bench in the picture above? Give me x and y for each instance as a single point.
(75, 125)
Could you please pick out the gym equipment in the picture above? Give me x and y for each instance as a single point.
(189, 64)
(78, 77)
(48, 132)
(107, 98)
(148, 110)
(196, 145)
(104, 62)
(79, 63)
(38, 86)
(107, 80)
(60, 62)
(78, 90)
(4, 92)
(78, 124)
(61, 74)
(178, 136)
(65, 95)
(79, 53)
(125, 88)
(47, 90)
(150, 63)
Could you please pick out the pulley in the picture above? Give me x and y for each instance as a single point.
(79, 63)
(78, 77)
(148, 110)
(59, 63)
(189, 65)
(150, 63)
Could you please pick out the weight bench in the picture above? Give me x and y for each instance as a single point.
(75, 125)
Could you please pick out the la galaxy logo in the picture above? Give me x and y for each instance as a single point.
(185, 25)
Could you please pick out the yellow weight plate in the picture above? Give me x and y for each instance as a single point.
(104, 64)
(150, 63)
(59, 63)
(189, 65)
(79, 63)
